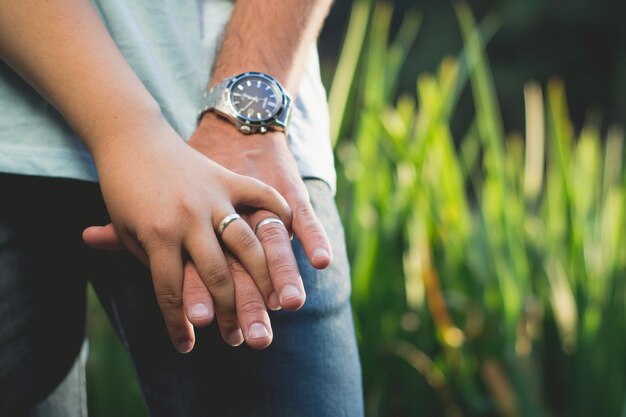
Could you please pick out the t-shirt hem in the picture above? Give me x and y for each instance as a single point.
(79, 166)
(64, 164)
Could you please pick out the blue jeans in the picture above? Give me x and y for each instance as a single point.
(310, 369)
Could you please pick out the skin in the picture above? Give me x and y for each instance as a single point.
(165, 199)
(292, 27)
(63, 50)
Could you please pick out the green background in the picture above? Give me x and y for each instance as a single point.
(484, 213)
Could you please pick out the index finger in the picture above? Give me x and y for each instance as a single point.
(166, 266)
(309, 230)
(281, 261)
(254, 193)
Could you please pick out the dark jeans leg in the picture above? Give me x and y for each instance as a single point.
(43, 266)
(311, 368)
(69, 399)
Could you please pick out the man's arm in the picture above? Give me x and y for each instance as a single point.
(275, 37)
(271, 36)
(164, 198)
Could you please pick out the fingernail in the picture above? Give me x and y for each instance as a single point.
(257, 331)
(320, 253)
(274, 301)
(289, 291)
(199, 310)
(185, 347)
(235, 338)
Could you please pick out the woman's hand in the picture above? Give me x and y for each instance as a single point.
(166, 202)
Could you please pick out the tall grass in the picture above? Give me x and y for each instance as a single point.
(487, 269)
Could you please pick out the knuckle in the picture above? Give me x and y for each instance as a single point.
(186, 211)
(272, 233)
(310, 224)
(267, 189)
(289, 216)
(195, 287)
(277, 196)
(227, 319)
(218, 275)
(235, 266)
(246, 239)
(305, 213)
(170, 300)
(251, 306)
(158, 233)
(317, 234)
(281, 263)
(287, 212)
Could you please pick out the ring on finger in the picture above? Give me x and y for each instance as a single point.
(267, 221)
(226, 221)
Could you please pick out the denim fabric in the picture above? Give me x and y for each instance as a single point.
(311, 368)
(69, 399)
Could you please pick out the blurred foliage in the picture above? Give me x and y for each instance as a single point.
(487, 267)
(584, 42)
(488, 274)
(112, 388)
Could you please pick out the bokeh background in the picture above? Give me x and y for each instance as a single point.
(482, 185)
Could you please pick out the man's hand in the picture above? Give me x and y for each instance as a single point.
(278, 36)
(267, 158)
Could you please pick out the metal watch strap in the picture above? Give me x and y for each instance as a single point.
(283, 118)
(214, 98)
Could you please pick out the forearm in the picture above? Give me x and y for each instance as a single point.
(64, 51)
(272, 36)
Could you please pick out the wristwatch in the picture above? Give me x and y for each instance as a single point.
(253, 101)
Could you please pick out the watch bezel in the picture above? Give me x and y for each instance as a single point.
(244, 119)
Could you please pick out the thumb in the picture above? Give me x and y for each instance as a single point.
(102, 237)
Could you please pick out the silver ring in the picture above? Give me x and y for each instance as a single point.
(227, 220)
(265, 221)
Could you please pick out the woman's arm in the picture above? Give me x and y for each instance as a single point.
(164, 198)
(63, 50)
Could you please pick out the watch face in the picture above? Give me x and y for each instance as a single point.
(255, 98)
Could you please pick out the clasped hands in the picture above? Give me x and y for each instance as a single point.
(166, 200)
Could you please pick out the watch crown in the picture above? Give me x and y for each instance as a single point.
(245, 129)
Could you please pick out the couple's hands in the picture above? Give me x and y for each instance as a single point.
(254, 267)
(266, 157)
(166, 200)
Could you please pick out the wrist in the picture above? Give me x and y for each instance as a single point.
(213, 122)
(104, 120)
(144, 128)
(216, 127)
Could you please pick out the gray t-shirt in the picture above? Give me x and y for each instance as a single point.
(171, 46)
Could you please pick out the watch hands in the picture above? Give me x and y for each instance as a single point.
(253, 98)
(247, 105)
